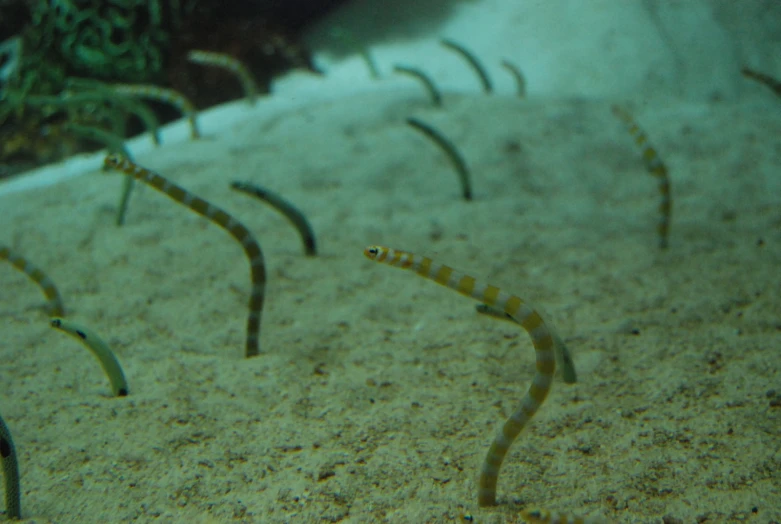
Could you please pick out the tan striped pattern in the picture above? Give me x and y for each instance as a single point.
(222, 219)
(656, 167)
(166, 96)
(230, 64)
(39, 277)
(523, 314)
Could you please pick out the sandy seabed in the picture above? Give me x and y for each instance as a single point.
(377, 393)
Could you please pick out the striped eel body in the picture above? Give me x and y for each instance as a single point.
(237, 230)
(656, 167)
(563, 356)
(287, 209)
(524, 315)
(37, 276)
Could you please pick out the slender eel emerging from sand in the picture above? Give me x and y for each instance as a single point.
(166, 96)
(656, 167)
(450, 150)
(292, 213)
(37, 276)
(762, 78)
(520, 80)
(237, 230)
(541, 516)
(563, 355)
(521, 313)
(102, 352)
(423, 78)
(473, 62)
(231, 64)
(13, 494)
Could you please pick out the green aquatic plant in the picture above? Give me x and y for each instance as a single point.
(121, 40)
(11, 50)
(163, 95)
(128, 104)
(109, 40)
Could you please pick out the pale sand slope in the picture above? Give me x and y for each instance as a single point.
(378, 393)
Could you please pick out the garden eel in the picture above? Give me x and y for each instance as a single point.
(768, 80)
(523, 314)
(450, 150)
(37, 276)
(13, 494)
(290, 212)
(423, 78)
(236, 229)
(656, 167)
(520, 80)
(101, 350)
(473, 62)
(230, 64)
(563, 355)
